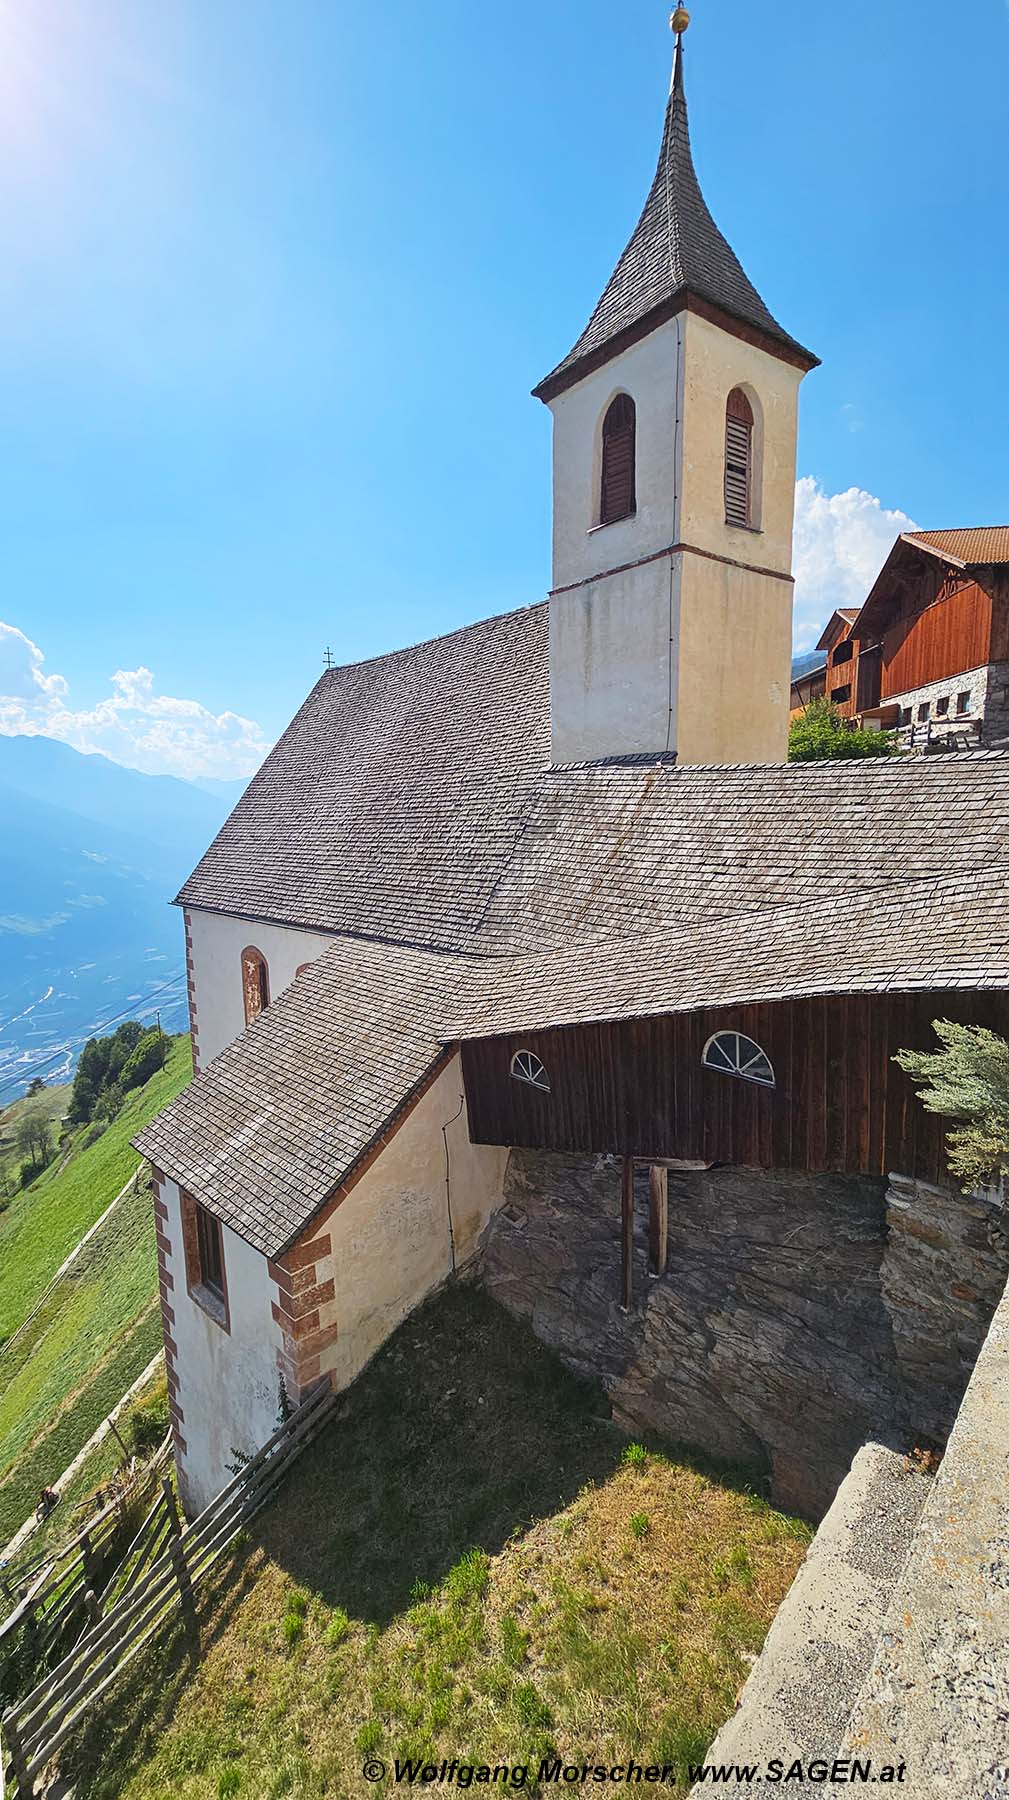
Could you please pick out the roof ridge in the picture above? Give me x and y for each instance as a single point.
(443, 637)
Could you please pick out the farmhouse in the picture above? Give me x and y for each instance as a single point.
(928, 653)
(527, 954)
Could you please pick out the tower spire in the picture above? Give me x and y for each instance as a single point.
(676, 258)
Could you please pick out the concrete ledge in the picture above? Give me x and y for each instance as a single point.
(800, 1694)
(937, 1694)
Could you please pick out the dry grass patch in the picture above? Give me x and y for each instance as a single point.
(470, 1563)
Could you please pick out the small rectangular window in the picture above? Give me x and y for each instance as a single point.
(905, 715)
(843, 653)
(841, 694)
(942, 706)
(924, 711)
(963, 703)
(211, 1251)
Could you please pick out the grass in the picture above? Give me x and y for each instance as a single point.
(452, 1571)
(44, 1222)
(85, 1494)
(97, 1330)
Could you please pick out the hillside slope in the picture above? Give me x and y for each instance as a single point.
(469, 1562)
(44, 1221)
(100, 1326)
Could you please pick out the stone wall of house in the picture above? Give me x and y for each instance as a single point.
(794, 1319)
(986, 716)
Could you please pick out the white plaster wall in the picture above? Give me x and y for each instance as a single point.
(613, 654)
(390, 1236)
(217, 945)
(650, 373)
(229, 1383)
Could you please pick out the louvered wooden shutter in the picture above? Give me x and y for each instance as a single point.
(738, 458)
(619, 498)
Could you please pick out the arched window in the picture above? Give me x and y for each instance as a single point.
(730, 1053)
(738, 459)
(619, 498)
(526, 1066)
(255, 983)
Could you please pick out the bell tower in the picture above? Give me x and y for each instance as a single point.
(675, 423)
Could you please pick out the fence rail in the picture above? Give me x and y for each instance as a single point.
(50, 1581)
(161, 1570)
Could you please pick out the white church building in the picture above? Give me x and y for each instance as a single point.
(541, 823)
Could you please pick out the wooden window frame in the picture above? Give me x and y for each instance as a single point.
(529, 1070)
(255, 968)
(199, 1227)
(740, 433)
(618, 477)
(732, 1067)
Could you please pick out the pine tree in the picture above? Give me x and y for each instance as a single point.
(968, 1081)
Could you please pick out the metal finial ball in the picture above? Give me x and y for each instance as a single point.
(679, 20)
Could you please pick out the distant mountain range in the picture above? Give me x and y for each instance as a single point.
(810, 659)
(92, 854)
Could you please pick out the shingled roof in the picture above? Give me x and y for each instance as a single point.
(323, 1075)
(918, 934)
(675, 251)
(279, 1118)
(395, 797)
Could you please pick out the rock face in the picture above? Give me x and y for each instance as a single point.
(792, 1324)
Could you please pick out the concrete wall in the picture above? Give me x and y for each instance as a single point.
(226, 1382)
(215, 945)
(613, 664)
(735, 654)
(390, 1241)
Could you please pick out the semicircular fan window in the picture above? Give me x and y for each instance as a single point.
(730, 1053)
(526, 1066)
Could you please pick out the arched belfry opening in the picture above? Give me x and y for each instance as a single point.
(618, 484)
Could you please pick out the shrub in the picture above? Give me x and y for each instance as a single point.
(147, 1424)
(821, 734)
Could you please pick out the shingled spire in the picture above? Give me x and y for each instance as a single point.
(677, 258)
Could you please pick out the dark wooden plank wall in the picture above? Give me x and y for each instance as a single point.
(638, 1088)
(946, 639)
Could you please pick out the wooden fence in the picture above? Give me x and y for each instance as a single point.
(47, 1589)
(140, 1598)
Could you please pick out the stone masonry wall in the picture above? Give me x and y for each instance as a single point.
(791, 1324)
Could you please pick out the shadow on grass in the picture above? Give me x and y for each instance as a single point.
(462, 1431)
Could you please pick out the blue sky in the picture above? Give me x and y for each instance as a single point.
(277, 279)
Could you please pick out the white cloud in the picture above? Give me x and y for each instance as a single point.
(841, 543)
(134, 724)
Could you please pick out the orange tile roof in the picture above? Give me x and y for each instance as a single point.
(970, 543)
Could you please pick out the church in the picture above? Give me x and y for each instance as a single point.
(527, 957)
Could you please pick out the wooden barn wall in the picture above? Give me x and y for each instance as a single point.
(947, 638)
(638, 1088)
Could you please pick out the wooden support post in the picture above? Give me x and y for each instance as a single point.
(19, 1761)
(658, 1220)
(627, 1232)
(168, 1495)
